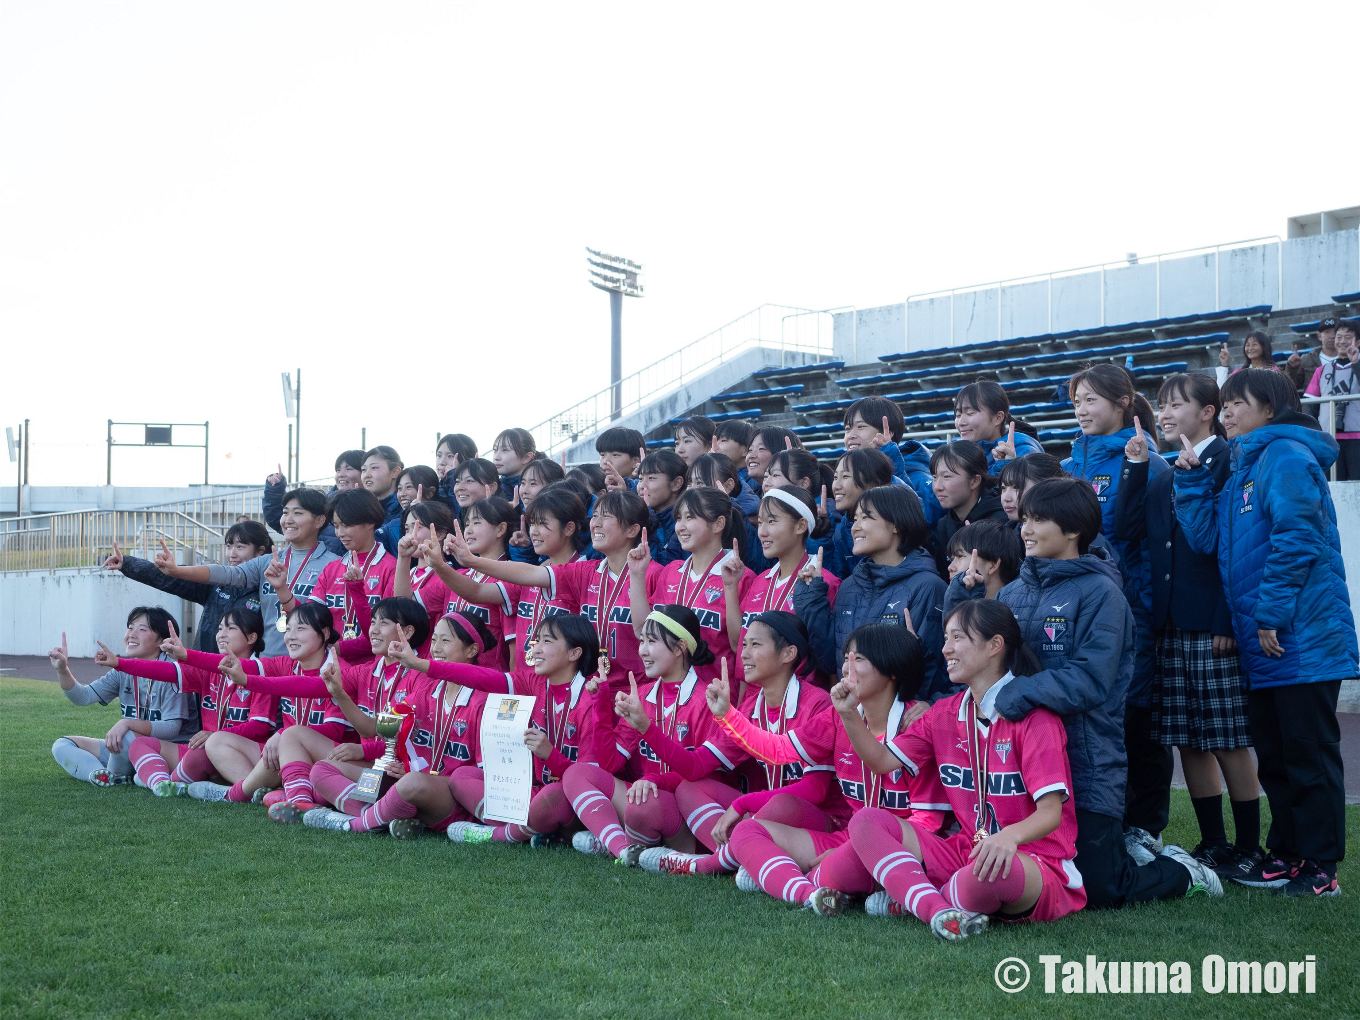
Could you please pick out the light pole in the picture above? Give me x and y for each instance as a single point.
(618, 276)
(292, 408)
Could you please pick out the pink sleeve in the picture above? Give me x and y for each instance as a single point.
(557, 763)
(609, 755)
(209, 661)
(775, 748)
(691, 765)
(373, 747)
(253, 729)
(363, 612)
(833, 585)
(1043, 757)
(1314, 388)
(164, 671)
(816, 738)
(812, 787)
(355, 649)
(292, 686)
(479, 678)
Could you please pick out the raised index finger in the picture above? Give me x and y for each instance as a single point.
(1185, 441)
(1137, 427)
(174, 632)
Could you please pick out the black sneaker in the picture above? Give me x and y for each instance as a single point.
(1313, 879)
(1218, 856)
(1261, 871)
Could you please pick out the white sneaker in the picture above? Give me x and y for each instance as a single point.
(1141, 845)
(663, 860)
(208, 791)
(880, 904)
(953, 924)
(586, 842)
(325, 818)
(1203, 879)
(745, 882)
(470, 832)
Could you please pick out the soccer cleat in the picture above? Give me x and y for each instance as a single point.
(470, 832)
(1257, 870)
(258, 797)
(539, 840)
(585, 841)
(631, 853)
(1203, 879)
(290, 812)
(103, 778)
(1312, 879)
(1141, 845)
(950, 924)
(828, 902)
(207, 791)
(405, 828)
(666, 861)
(745, 882)
(137, 781)
(169, 788)
(270, 798)
(880, 904)
(1219, 856)
(325, 818)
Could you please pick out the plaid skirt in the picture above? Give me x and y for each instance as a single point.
(1197, 697)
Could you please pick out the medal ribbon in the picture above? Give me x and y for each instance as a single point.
(979, 754)
(774, 774)
(369, 560)
(603, 610)
(443, 724)
(687, 600)
(661, 714)
(774, 594)
(288, 558)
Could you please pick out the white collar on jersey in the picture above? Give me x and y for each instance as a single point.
(577, 686)
(687, 686)
(790, 702)
(382, 551)
(894, 717)
(988, 707)
(464, 694)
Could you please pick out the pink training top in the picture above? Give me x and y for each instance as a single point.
(320, 714)
(448, 731)
(531, 606)
(496, 616)
(769, 593)
(433, 595)
(590, 588)
(682, 742)
(804, 717)
(1025, 761)
(223, 706)
(677, 584)
(330, 589)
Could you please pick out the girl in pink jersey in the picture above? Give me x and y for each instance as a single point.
(351, 585)
(444, 737)
(668, 729)
(710, 530)
(1008, 784)
(361, 692)
(415, 578)
(310, 636)
(809, 861)
(485, 534)
(787, 518)
(225, 709)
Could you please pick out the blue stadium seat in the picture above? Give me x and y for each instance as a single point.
(798, 371)
(774, 391)
(747, 412)
(1306, 327)
(1347, 299)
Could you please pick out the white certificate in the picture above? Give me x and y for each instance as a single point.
(507, 764)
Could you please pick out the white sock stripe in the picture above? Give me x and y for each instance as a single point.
(586, 800)
(479, 809)
(794, 890)
(951, 891)
(700, 814)
(725, 857)
(346, 792)
(915, 893)
(888, 863)
(770, 865)
(144, 758)
(609, 832)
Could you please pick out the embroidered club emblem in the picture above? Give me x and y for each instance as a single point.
(571, 730)
(460, 727)
(712, 596)
(1003, 750)
(682, 730)
(372, 583)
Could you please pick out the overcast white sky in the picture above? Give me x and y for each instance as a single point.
(396, 196)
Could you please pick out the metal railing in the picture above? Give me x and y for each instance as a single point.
(82, 539)
(1329, 423)
(999, 286)
(767, 326)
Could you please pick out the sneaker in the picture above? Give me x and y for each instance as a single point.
(1313, 879)
(880, 904)
(325, 818)
(1219, 856)
(663, 860)
(269, 798)
(585, 841)
(258, 797)
(103, 778)
(1203, 879)
(631, 854)
(828, 902)
(207, 791)
(1259, 870)
(745, 882)
(137, 781)
(470, 832)
(169, 788)
(405, 828)
(1141, 845)
(290, 812)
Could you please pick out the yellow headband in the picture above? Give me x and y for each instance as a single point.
(675, 628)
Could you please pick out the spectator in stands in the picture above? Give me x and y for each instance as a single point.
(382, 468)
(512, 452)
(453, 449)
(1301, 367)
(694, 437)
(1340, 376)
(982, 415)
(856, 473)
(1273, 528)
(966, 490)
(1257, 352)
(349, 467)
(244, 541)
(1197, 699)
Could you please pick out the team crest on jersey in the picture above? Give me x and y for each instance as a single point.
(460, 726)
(571, 730)
(1003, 750)
(1055, 627)
(1101, 485)
(895, 775)
(712, 595)
(372, 583)
(682, 730)
(1248, 490)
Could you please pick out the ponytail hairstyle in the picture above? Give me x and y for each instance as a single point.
(702, 654)
(1114, 383)
(470, 630)
(985, 619)
(422, 475)
(627, 508)
(787, 630)
(562, 504)
(520, 442)
(796, 465)
(769, 503)
(578, 632)
(546, 471)
(966, 458)
(247, 621)
(716, 471)
(405, 612)
(433, 513)
(495, 510)
(483, 472)
(1197, 388)
(895, 652)
(710, 505)
(318, 618)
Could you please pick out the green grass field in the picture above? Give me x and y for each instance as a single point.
(117, 904)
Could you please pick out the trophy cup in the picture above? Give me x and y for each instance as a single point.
(370, 780)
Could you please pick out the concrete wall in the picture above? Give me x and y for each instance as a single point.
(36, 608)
(1317, 267)
(43, 499)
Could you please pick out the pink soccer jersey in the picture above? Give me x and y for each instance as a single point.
(1025, 761)
(447, 731)
(569, 723)
(900, 791)
(497, 618)
(677, 584)
(433, 595)
(806, 719)
(222, 705)
(589, 588)
(318, 713)
(531, 606)
(377, 584)
(768, 592)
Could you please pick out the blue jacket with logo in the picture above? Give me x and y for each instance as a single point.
(1100, 461)
(1273, 527)
(878, 594)
(911, 464)
(1025, 444)
(1073, 615)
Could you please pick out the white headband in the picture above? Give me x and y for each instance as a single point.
(798, 506)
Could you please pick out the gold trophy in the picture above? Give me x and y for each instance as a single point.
(370, 781)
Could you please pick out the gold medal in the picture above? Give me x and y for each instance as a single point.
(281, 624)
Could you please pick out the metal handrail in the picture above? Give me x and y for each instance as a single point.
(1330, 425)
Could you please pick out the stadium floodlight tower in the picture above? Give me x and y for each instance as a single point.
(618, 276)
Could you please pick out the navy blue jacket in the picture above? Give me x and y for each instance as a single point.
(1073, 615)
(1273, 527)
(271, 507)
(390, 532)
(215, 599)
(1100, 461)
(661, 541)
(988, 508)
(878, 594)
(1187, 590)
(1025, 444)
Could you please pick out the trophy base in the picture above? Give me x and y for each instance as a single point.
(369, 785)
